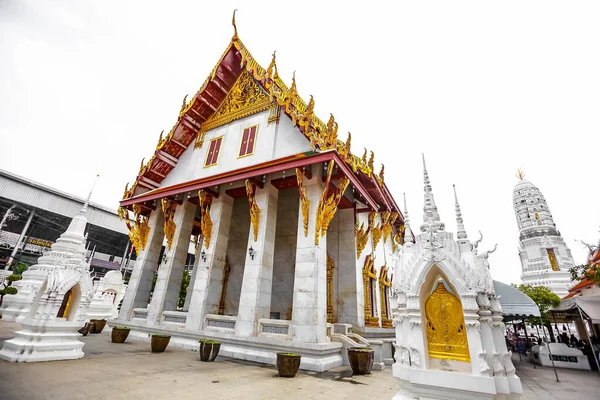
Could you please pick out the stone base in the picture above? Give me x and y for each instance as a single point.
(318, 357)
(15, 308)
(52, 341)
(433, 384)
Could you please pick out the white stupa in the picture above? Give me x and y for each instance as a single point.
(545, 258)
(449, 331)
(53, 297)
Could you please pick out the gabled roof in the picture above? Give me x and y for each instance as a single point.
(197, 116)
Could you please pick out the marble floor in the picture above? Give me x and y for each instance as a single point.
(130, 371)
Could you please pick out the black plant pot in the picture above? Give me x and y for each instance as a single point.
(159, 343)
(361, 360)
(288, 364)
(209, 351)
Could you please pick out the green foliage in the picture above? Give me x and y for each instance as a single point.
(545, 299)
(290, 354)
(579, 272)
(208, 341)
(185, 281)
(20, 268)
(156, 335)
(124, 328)
(8, 290)
(14, 277)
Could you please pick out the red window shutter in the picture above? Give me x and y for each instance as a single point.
(216, 152)
(211, 151)
(251, 138)
(244, 144)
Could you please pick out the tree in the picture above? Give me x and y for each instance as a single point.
(8, 288)
(591, 270)
(545, 299)
(185, 281)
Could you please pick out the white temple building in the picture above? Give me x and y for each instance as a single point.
(449, 331)
(545, 258)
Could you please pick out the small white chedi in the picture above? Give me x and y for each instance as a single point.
(62, 290)
(449, 332)
(108, 293)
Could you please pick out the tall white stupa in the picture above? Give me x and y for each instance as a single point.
(545, 258)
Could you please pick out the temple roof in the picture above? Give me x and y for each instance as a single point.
(198, 116)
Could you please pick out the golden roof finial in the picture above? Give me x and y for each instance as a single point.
(364, 157)
(348, 143)
(183, 104)
(371, 160)
(160, 139)
(272, 66)
(235, 35)
(520, 174)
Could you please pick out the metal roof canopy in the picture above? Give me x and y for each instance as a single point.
(516, 305)
(589, 306)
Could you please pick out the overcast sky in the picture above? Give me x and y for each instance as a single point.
(482, 88)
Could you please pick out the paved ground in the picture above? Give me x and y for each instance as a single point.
(130, 371)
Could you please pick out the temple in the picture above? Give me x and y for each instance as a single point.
(545, 257)
(295, 234)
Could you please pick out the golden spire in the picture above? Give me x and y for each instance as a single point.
(520, 174)
(235, 35)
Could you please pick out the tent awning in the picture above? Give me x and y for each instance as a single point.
(515, 304)
(589, 305)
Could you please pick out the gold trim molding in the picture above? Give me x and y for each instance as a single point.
(303, 199)
(369, 274)
(169, 225)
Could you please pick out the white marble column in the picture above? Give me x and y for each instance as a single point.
(208, 275)
(140, 283)
(255, 296)
(170, 272)
(309, 310)
(349, 276)
(471, 309)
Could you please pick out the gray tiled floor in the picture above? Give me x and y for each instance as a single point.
(130, 371)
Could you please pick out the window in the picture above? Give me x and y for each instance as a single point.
(248, 141)
(213, 152)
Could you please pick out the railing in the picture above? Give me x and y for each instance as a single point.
(140, 313)
(274, 327)
(222, 323)
(174, 317)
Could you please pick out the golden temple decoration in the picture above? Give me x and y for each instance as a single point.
(364, 157)
(362, 237)
(254, 210)
(553, 262)
(387, 220)
(235, 35)
(369, 278)
(385, 285)
(371, 161)
(141, 166)
(129, 191)
(274, 115)
(328, 205)
(303, 199)
(330, 269)
(245, 98)
(226, 270)
(169, 225)
(330, 135)
(272, 69)
(184, 105)
(206, 223)
(376, 230)
(380, 176)
(446, 329)
(199, 139)
(138, 229)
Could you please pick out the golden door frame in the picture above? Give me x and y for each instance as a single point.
(385, 285)
(369, 276)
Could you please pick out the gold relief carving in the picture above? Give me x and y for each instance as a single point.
(330, 269)
(254, 210)
(376, 230)
(245, 98)
(553, 262)
(199, 139)
(362, 237)
(385, 285)
(303, 199)
(274, 114)
(369, 276)
(169, 225)
(328, 205)
(206, 223)
(226, 270)
(138, 229)
(129, 192)
(446, 329)
(387, 220)
(330, 135)
(272, 69)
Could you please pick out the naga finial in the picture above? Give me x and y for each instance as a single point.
(142, 164)
(311, 105)
(235, 35)
(184, 103)
(364, 157)
(160, 139)
(272, 67)
(348, 142)
(381, 172)
(371, 160)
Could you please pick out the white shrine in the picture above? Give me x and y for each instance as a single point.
(53, 297)
(545, 258)
(296, 234)
(108, 293)
(449, 331)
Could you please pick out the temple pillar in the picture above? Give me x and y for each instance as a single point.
(255, 296)
(478, 366)
(349, 277)
(140, 282)
(487, 341)
(208, 275)
(309, 310)
(170, 272)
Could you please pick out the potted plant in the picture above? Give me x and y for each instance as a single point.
(99, 325)
(288, 364)
(119, 334)
(361, 360)
(209, 349)
(159, 343)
